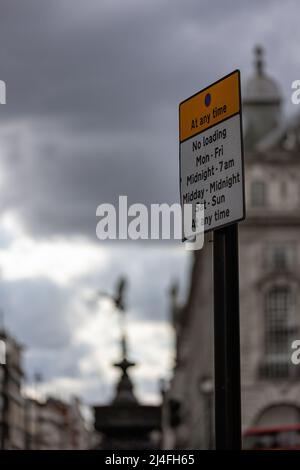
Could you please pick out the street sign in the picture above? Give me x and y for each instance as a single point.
(212, 178)
(211, 153)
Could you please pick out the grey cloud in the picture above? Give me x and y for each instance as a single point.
(36, 310)
(111, 77)
(53, 363)
(150, 273)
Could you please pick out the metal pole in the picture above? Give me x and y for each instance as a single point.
(210, 421)
(227, 339)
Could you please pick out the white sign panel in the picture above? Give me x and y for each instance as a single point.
(211, 153)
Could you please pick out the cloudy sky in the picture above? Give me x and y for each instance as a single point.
(92, 104)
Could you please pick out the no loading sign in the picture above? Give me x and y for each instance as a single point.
(211, 153)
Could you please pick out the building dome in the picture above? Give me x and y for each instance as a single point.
(261, 104)
(261, 89)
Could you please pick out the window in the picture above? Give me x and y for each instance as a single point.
(283, 189)
(258, 194)
(280, 257)
(280, 329)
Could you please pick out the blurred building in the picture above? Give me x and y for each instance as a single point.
(30, 424)
(269, 284)
(55, 424)
(126, 424)
(11, 400)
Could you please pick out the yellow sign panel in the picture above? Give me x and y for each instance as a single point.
(210, 106)
(211, 167)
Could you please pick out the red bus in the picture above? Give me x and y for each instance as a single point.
(284, 437)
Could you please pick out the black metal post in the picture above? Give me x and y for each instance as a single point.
(227, 339)
(210, 421)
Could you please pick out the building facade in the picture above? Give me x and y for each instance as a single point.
(54, 424)
(12, 426)
(27, 423)
(269, 248)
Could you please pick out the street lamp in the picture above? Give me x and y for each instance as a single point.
(206, 387)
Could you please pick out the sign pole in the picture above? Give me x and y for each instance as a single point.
(227, 339)
(212, 174)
